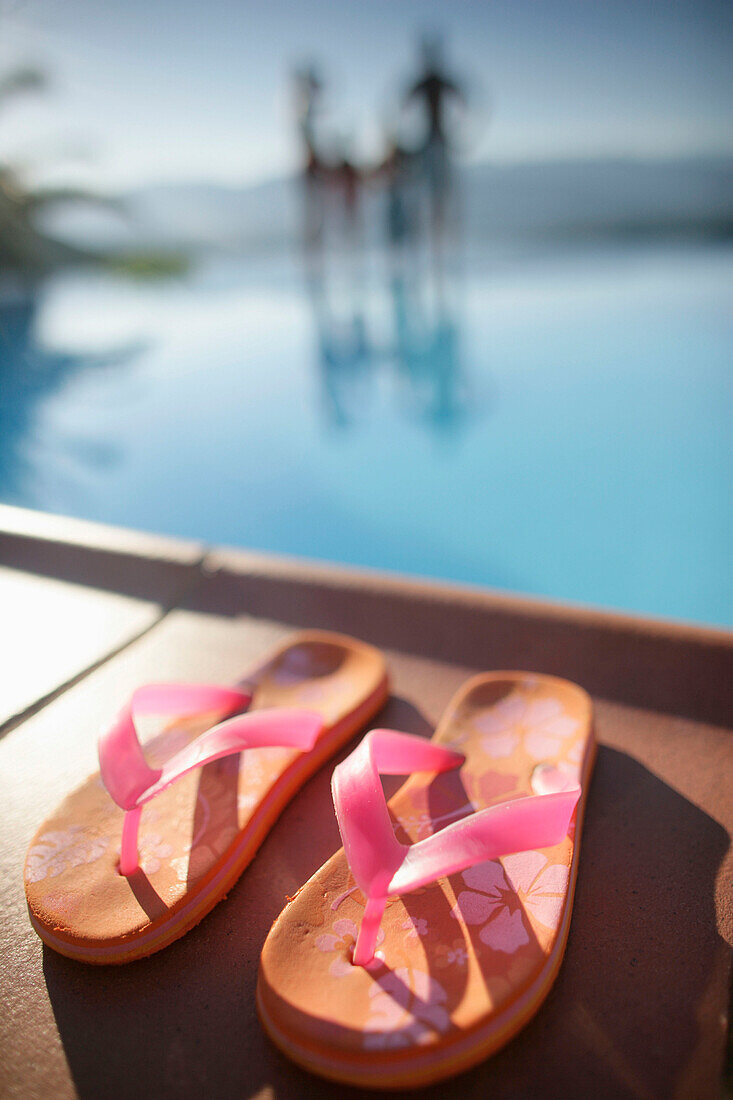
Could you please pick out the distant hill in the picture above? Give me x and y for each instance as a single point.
(525, 202)
(601, 197)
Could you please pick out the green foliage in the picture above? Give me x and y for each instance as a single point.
(25, 250)
(145, 266)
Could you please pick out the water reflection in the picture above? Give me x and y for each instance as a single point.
(421, 354)
(31, 376)
(427, 359)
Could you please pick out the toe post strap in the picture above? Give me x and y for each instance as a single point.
(382, 866)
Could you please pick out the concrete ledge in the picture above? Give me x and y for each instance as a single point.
(147, 567)
(665, 666)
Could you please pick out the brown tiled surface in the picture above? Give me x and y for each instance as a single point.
(639, 1008)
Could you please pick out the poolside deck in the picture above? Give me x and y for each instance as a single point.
(639, 1008)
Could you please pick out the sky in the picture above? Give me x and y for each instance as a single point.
(146, 91)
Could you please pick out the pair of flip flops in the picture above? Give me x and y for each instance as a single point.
(421, 946)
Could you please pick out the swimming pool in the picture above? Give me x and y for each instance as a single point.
(557, 425)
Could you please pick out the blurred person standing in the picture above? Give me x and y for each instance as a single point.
(308, 88)
(434, 89)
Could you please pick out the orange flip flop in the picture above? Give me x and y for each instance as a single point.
(145, 848)
(434, 935)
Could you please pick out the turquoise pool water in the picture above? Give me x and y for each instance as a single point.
(557, 425)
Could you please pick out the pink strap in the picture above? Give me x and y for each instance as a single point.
(382, 866)
(125, 771)
(132, 782)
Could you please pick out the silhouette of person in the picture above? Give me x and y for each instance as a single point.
(308, 88)
(434, 89)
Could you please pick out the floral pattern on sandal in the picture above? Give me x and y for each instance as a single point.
(414, 927)
(451, 954)
(341, 940)
(152, 852)
(406, 1006)
(502, 894)
(541, 724)
(59, 850)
